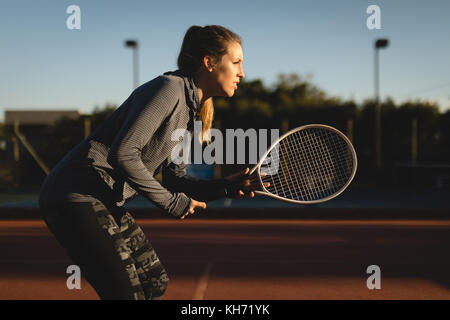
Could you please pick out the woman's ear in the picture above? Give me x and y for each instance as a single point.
(208, 63)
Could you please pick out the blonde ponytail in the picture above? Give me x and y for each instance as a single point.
(206, 116)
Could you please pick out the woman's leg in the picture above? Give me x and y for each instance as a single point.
(151, 272)
(94, 242)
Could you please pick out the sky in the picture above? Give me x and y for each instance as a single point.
(45, 65)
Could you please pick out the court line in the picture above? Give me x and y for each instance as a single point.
(203, 283)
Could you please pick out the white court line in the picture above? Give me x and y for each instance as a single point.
(203, 283)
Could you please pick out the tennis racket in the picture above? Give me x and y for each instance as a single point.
(309, 164)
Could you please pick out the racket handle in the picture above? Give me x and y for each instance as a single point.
(260, 192)
(253, 170)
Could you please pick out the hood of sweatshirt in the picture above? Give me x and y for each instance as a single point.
(191, 89)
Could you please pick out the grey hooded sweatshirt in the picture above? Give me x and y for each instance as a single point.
(125, 153)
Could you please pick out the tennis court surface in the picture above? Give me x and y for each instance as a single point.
(289, 259)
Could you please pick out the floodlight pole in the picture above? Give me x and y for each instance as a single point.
(134, 45)
(379, 44)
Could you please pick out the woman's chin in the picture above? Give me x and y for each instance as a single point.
(226, 93)
(230, 93)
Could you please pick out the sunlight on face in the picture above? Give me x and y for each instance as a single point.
(228, 72)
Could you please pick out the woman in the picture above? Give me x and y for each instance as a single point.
(82, 199)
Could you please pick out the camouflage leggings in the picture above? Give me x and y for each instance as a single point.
(113, 253)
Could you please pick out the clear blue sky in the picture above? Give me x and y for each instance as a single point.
(44, 65)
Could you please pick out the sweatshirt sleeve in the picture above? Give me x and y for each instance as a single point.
(149, 109)
(176, 179)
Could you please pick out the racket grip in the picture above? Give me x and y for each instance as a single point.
(231, 189)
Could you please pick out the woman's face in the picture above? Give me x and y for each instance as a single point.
(228, 72)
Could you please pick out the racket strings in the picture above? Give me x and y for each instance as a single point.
(332, 181)
(308, 165)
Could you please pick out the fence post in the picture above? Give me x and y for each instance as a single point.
(350, 130)
(414, 141)
(16, 154)
(29, 148)
(284, 126)
(87, 126)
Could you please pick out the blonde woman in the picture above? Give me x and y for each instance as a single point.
(82, 199)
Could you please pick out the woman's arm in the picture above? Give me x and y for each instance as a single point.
(148, 111)
(175, 179)
(236, 186)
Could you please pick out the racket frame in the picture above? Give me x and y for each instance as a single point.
(265, 192)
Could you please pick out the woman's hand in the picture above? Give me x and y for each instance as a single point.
(242, 184)
(194, 204)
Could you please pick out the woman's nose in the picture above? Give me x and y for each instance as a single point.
(241, 73)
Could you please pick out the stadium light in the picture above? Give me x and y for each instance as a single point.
(133, 44)
(379, 44)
